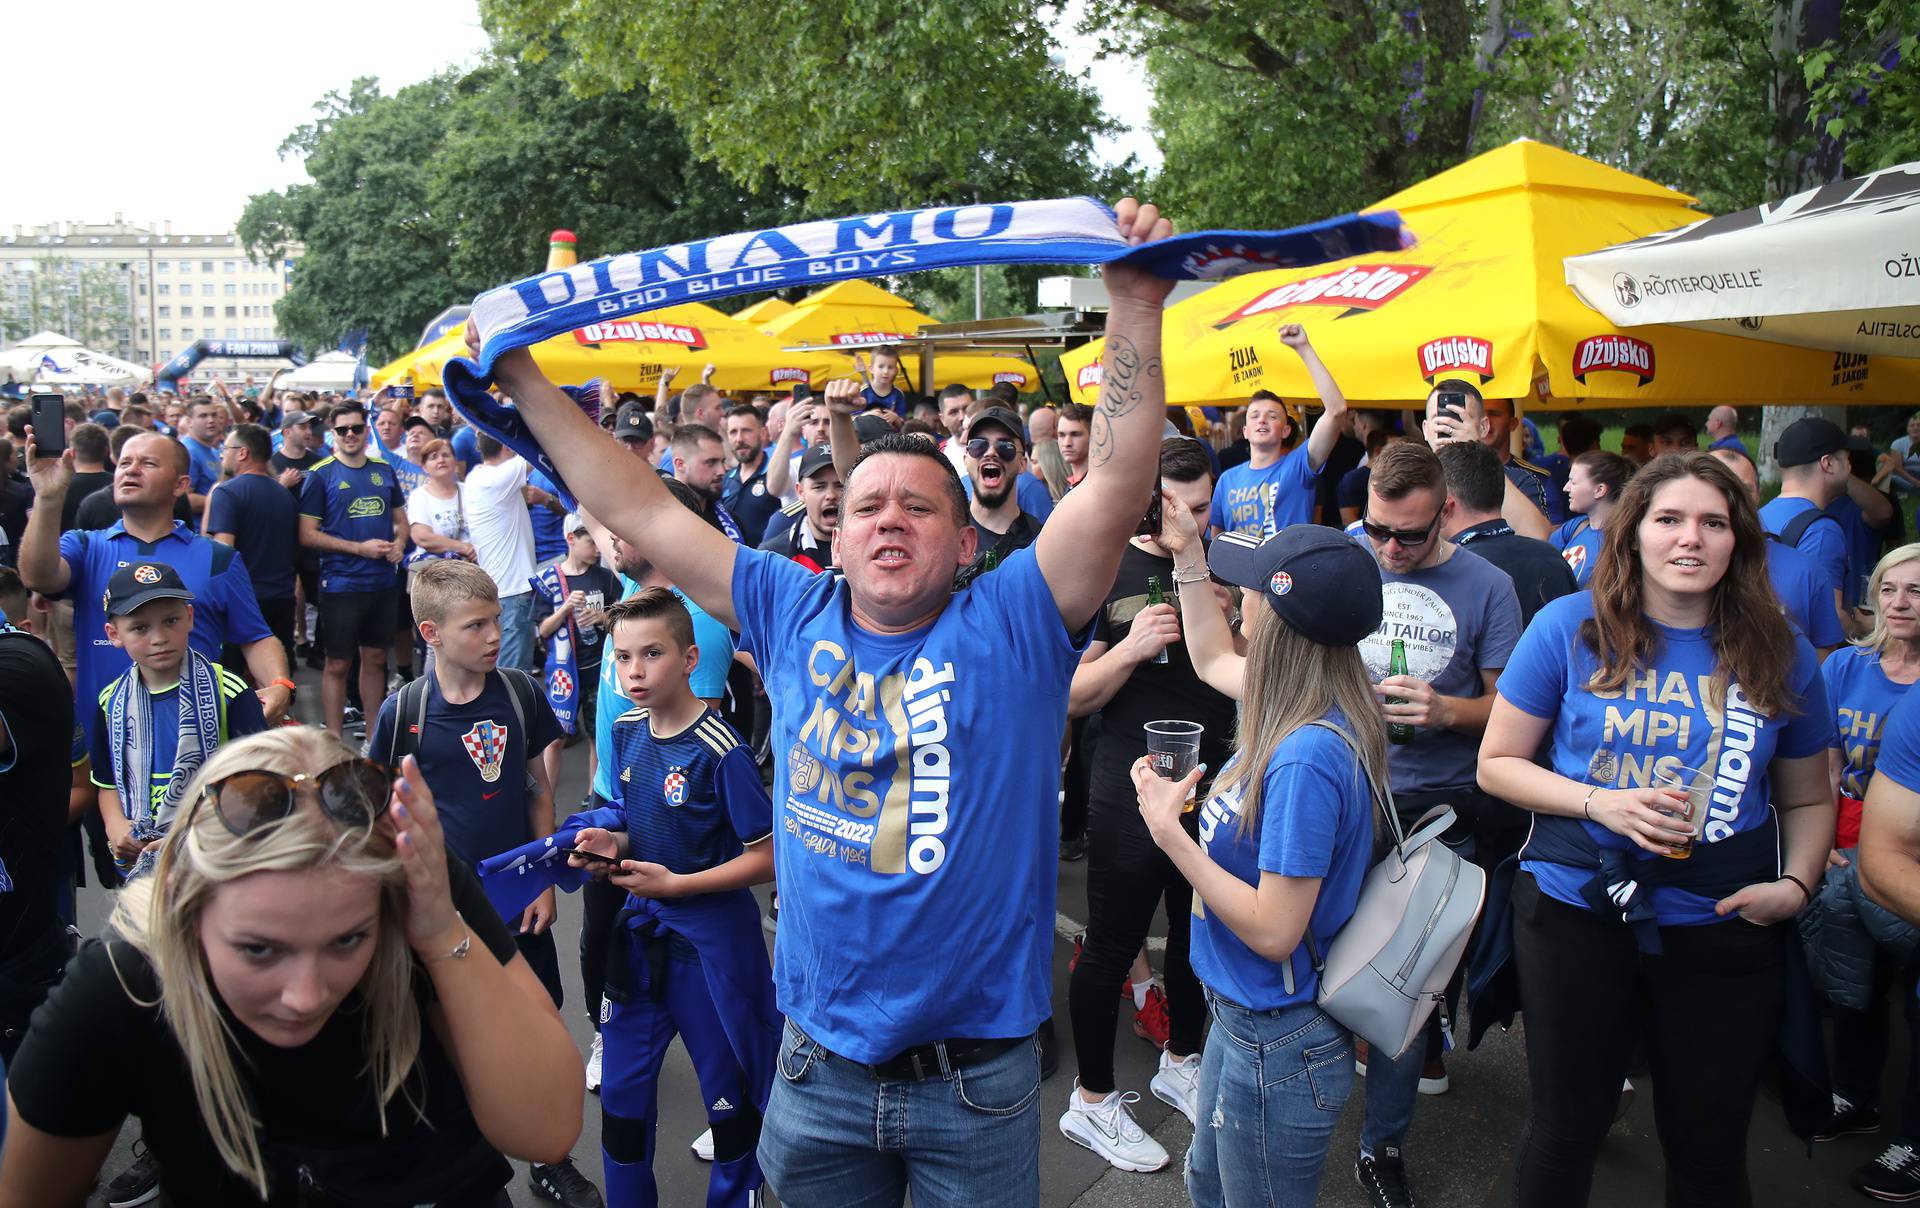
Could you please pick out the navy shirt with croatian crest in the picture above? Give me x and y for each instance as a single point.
(694, 799)
(353, 505)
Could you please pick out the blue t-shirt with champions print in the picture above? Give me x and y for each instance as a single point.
(915, 802)
(1315, 821)
(1862, 698)
(1663, 718)
(1263, 502)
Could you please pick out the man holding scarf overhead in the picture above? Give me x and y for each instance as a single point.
(905, 865)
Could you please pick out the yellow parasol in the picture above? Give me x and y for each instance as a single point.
(1483, 296)
(764, 311)
(860, 312)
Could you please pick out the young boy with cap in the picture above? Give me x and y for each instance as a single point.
(158, 721)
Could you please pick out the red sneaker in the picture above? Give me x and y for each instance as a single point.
(1150, 1022)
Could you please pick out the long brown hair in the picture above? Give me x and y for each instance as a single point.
(1751, 639)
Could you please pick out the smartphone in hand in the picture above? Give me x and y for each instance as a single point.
(49, 424)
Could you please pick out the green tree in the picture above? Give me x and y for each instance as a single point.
(1865, 84)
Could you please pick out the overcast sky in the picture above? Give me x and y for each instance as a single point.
(175, 112)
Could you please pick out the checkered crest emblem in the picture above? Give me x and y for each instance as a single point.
(486, 745)
(559, 685)
(675, 787)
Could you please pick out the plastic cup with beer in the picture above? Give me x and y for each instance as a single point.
(1696, 786)
(1173, 748)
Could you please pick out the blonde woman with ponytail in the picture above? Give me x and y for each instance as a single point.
(1283, 845)
(304, 1002)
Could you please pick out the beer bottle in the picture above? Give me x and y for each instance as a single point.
(1398, 732)
(992, 560)
(1156, 597)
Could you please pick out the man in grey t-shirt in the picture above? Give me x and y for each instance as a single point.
(1459, 619)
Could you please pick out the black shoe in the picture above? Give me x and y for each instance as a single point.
(1847, 1120)
(1049, 1050)
(1074, 848)
(1894, 1176)
(563, 1183)
(138, 1183)
(1384, 1178)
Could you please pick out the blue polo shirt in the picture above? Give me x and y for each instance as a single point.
(224, 604)
(353, 505)
(748, 500)
(260, 514)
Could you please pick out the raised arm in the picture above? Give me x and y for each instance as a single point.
(1216, 659)
(1079, 549)
(41, 567)
(844, 401)
(1321, 440)
(779, 462)
(635, 506)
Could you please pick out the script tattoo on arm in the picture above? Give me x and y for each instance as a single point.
(1120, 393)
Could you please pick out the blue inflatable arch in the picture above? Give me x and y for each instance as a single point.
(243, 350)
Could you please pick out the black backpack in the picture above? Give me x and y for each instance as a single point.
(1790, 534)
(413, 703)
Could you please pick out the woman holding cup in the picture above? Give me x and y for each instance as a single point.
(1677, 661)
(1283, 844)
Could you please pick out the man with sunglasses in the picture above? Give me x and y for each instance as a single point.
(352, 512)
(1457, 617)
(996, 451)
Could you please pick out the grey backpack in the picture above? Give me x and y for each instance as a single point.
(1392, 960)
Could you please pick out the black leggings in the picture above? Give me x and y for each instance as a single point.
(599, 902)
(1860, 1044)
(1710, 1010)
(1127, 877)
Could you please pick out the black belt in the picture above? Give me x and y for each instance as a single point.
(937, 1059)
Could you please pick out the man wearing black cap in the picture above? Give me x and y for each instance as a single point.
(1814, 469)
(995, 445)
(809, 540)
(299, 450)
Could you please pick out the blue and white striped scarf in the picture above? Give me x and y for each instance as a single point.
(1066, 230)
(129, 711)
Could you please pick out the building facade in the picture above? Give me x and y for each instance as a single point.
(139, 293)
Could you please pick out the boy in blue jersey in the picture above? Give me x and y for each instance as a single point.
(692, 838)
(161, 719)
(1275, 488)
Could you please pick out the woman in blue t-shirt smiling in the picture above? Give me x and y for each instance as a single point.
(1284, 843)
(1676, 665)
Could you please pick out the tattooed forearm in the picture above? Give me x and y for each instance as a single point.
(1124, 373)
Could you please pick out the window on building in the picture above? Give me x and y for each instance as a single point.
(206, 289)
(166, 312)
(206, 266)
(186, 333)
(230, 311)
(161, 266)
(232, 332)
(163, 289)
(231, 290)
(143, 289)
(206, 312)
(166, 333)
(232, 266)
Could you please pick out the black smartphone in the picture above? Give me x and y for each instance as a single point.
(592, 857)
(1150, 523)
(49, 425)
(1454, 401)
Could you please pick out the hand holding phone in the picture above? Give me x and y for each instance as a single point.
(588, 858)
(49, 424)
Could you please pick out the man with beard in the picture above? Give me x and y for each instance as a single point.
(206, 426)
(699, 462)
(995, 444)
(810, 541)
(743, 492)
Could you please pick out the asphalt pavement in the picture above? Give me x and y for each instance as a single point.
(1459, 1152)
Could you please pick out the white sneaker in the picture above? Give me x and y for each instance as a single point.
(594, 1058)
(1109, 1129)
(1178, 1083)
(703, 1146)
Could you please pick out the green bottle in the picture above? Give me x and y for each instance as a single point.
(1398, 732)
(1155, 597)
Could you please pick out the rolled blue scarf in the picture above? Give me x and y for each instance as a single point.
(1066, 230)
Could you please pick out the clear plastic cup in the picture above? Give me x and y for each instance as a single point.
(1173, 748)
(1697, 784)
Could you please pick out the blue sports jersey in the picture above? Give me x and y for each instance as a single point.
(895, 402)
(1315, 821)
(408, 474)
(748, 500)
(1823, 540)
(708, 681)
(1899, 759)
(203, 465)
(466, 447)
(693, 800)
(1579, 543)
(261, 515)
(549, 542)
(1862, 698)
(1664, 717)
(1263, 502)
(241, 716)
(476, 763)
(1864, 544)
(1805, 596)
(916, 832)
(225, 608)
(353, 504)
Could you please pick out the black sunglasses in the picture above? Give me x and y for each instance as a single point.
(1380, 532)
(350, 429)
(353, 792)
(1006, 449)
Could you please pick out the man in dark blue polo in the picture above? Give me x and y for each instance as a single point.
(744, 490)
(152, 472)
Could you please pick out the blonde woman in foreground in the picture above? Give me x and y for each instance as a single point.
(303, 1003)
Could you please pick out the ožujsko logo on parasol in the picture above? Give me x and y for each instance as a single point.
(631, 331)
(1450, 354)
(789, 375)
(1090, 375)
(1360, 287)
(1009, 376)
(1622, 353)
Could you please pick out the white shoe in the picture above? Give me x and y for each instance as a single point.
(1178, 1083)
(703, 1146)
(1109, 1129)
(594, 1058)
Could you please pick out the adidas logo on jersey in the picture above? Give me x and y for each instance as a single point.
(626, 775)
(720, 1105)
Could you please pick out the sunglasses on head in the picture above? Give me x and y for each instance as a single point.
(1380, 532)
(353, 792)
(350, 429)
(1002, 447)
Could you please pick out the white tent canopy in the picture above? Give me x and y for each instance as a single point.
(51, 359)
(330, 371)
(1837, 267)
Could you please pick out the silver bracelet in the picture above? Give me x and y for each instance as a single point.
(1199, 576)
(459, 950)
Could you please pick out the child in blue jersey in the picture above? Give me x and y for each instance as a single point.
(696, 825)
(1282, 848)
(1594, 484)
(163, 717)
(1677, 659)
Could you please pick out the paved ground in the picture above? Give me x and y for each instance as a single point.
(1459, 1153)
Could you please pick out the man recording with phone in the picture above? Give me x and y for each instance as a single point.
(1455, 411)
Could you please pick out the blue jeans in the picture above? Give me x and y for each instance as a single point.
(516, 631)
(835, 1136)
(1272, 1085)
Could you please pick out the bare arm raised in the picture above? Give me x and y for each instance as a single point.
(1079, 549)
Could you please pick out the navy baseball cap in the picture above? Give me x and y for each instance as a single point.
(1808, 440)
(1325, 585)
(815, 459)
(1005, 418)
(632, 422)
(140, 583)
(870, 427)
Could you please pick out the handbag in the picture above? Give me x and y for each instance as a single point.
(1390, 963)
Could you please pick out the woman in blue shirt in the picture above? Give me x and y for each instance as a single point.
(1864, 682)
(1593, 487)
(1677, 659)
(1283, 845)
